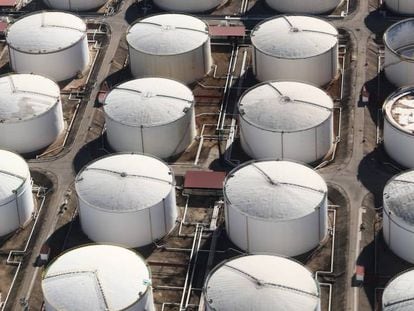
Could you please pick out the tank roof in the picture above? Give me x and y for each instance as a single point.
(13, 173)
(26, 96)
(124, 182)
(148, 102)
(285, 106)
(275, 190)
(399, 293)
(45, 32)
(96, 277)
(261, 282)
(399, 38)
(168, 34)
(294, 37)
(398, 109)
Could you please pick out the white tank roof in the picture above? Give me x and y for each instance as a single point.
(25, 96)
(275, 190)
(168, 34)
(124, 182)
(398, 196)
(399, 39)
(285, 106)
(262, 282)
(13, 173)
(399, 109)
(399, 293)
(148, 102)
(96, 277)
(294, 36)
(46, 32)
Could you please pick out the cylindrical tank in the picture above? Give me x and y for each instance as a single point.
(275, 206)
(399, 293)
(300, 48)
(261, 282)
(189, 6)
(74, 5)
(172, 46)
(303, 7)
(127, 199)
(401, 7)
(51, 44)
(286, 120)
(399, 53)
(398, 218)
(398, 111)
(31, 115)
(150, 115)
(98, 277)
(16, 200)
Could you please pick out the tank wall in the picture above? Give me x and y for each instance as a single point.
(398, 72)
(397, 237)
(58, 66)
(318, 70)
(162, 141)
(289, 238)
(187, 6)
(17, 213)
(133, 229)
(305, 146)
(74, 5)
(305, 7)
(32, 135)
(399, 145)
(403, 7)
(186, 68)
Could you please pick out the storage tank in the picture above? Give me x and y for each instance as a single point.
(98, 277)
(51, 44)
(398, 111)
(261, 282)
(189, 6)
(275, 206)
(286, 120)
(303, 7)
(401, 7)
(74, 5)
(172, 46)
(399, 293)
(300, 48)
(31, 115)
(127, 199)
(399, 53)
(16, 199)
(150, 115)
(398, 216)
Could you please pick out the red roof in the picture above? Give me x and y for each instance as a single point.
(8, 3)
(3, 26)
(228, 31)
(204, 179)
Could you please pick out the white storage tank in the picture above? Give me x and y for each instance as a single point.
(31, 116)
(189, 6)
(74, 5)
(398, 216)
(399, 53)
(398, 111)
(51, 44)
(98, 277)
(303, 7)
(402, 7)
(399, 293)
(300, 48)
(261, 282)
(16, 199)
(276, 206)
(150, 115)
(286, 120)
(127, 199)
(172, 46)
